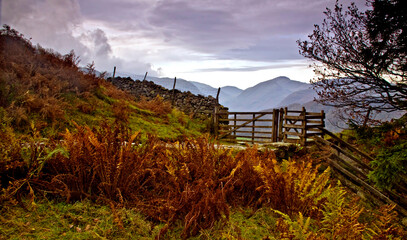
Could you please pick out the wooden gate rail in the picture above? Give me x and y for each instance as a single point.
(255, 135)
(300, 126)
(283, 125)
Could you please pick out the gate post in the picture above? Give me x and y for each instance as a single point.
(285, 122)
(280, 125)
(274, 134)
(253, 127)
(303, 138)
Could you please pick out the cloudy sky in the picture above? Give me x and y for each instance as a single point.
(218, 42)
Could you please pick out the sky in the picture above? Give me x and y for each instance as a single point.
(217, 42)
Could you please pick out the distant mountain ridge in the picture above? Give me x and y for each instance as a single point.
(265, 95)
(275, 93)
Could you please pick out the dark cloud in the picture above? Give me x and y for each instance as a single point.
(54, 24)
(169, 30)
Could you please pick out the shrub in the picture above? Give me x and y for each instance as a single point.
(389, 165)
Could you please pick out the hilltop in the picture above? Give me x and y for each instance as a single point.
(43, 90)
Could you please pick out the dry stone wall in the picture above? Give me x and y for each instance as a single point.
(185, 101)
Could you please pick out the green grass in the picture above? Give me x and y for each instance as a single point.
(81, 220)
(88, 220)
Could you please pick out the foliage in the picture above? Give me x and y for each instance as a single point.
(157, 105)
(11, 164)
(387, 29)
(341, 219)
(388, 144)
(294, 187)
(389, 165)
(186, 187)
(384, 227)
(362, 66)
(80, 220)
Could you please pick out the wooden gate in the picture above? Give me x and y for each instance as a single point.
(279, 125)
(253, 127)
(300, 126)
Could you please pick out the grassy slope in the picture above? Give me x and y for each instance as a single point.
(42, 89)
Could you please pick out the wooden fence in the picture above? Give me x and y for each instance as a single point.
(353, 168)
(279, 125)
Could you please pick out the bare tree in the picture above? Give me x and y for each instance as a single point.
(360, 57)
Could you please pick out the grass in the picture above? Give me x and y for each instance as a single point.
(88, 220)
(80, 220)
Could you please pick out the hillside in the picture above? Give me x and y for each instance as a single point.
(46, 91)
(300, 96)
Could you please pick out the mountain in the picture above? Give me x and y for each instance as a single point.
(300, 96)
(205, 89)
(265, 95)
(227, 93)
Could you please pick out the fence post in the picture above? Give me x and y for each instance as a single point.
(274, 136)
(145, 76)
(285, 122)
(217, 96)
(253, 127)
(114, 72)
(234, 126)
(280, 125)
(303, 138)
(216, 120)
(173, 91)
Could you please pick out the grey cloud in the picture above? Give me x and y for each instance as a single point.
(273, 48)
(200, 29)
(251, 69)
(52, 24)
(246, 29)
(254, 30)
(99, 41)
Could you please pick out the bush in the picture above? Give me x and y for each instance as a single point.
(389, 165)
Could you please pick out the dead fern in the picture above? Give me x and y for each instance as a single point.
(385, 224)
(293, 187)
(157, 105)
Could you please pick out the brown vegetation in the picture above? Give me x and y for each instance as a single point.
(193, 181)
(36, 83)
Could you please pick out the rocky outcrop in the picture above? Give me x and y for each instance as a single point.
(185, 101)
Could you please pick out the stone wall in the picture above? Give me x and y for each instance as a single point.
(185, 101)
